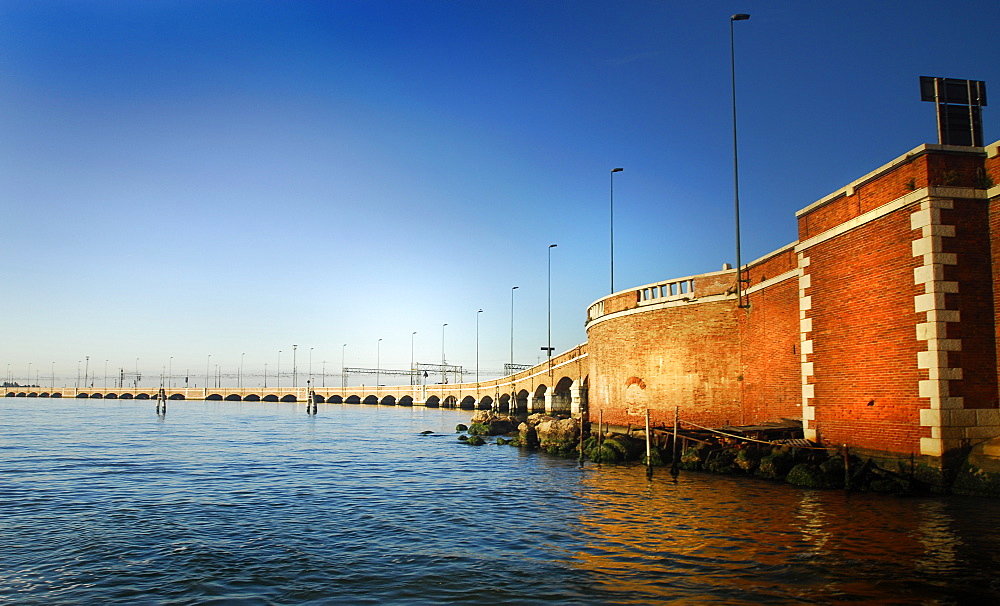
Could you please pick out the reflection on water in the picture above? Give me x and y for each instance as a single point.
(231, 502)
(731, 540)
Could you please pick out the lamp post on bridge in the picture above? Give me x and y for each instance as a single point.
(477, 348)
(613, 171)
(240, 380)
(736, 169)
(548, 349)
(513, 288)
(170, 373)
(311, 364)
(412, 335)
(343, 375)
(444, 373)
(208, 368)
(295, 367)
(378, 366)
(277, 372)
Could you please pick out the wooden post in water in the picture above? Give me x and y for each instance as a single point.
(847, 468)
(600, 433)
(674, 469)
(649, 453)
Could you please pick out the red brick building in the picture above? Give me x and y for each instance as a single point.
(878, 327)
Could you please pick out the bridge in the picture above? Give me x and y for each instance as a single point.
(558, 385)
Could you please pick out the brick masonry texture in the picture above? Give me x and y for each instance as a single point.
(879, 327)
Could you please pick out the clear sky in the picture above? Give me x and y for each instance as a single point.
(194, 178)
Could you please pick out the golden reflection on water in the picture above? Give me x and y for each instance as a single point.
(740, 540)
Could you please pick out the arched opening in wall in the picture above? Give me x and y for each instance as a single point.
(521, 402)
(79, 395)
(335, 400)
(270, 398)
(503, 404)
(538, 399)
(485, 404)
(124, 396)
(56, 395)
(562, 396)
(9, 394)
(232, 398)
(433, 402)
(33, 394)
(388, 401)
(96, 396)
(371, 400)
(211, 396)
(21, 394)
(145, 396)
(177, 396)
(289, 398)
(318, 399)
(110, 396)
(468, 402)
(450, 402)
(252, 398)
(353, 400)
(405, 401)
(45, 394)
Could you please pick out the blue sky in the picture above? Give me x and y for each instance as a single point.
(181, 179)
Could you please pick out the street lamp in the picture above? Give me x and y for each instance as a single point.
(513, 288)
(477, 348)
(444, 376)
(613, 171)
(378, 363)
(311, 364)
(241, 370)
(411, 357)
(736, 169)
(277, 372)
(208, 367)
(170, 373)
(86, 372)
(295, 366)
(343, 374)
(548, 349)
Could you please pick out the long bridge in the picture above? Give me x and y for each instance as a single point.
(558, 385)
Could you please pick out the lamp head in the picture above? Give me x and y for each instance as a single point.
(617, 170)
(739, 17)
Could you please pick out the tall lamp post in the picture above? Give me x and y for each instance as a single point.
(378, 364)
(411, 356)
(736, 165)
(295, 366)
(277, 372)
(208, 368)
(343, 375)
(170, 373)
(512, 289)
(613, 171)
(311, 364)
(242, 355)
(548, 349)
(477, 348)
(444, 374)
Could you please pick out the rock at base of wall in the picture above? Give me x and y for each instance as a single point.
(490, 423)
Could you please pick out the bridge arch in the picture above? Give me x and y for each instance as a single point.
(233, 398)
(486, 403)
(270, 398)
(370, 400)
(503, 404)
(433, 402)
(468, 403)
(335, 400)
(44, 394)
(251, 397)
(318, 399)
(289, 398)
(562, 396)
(79, 395)
(537, 403)
(353, 399)
(110, 396)
(145, 396)
(96, 396)
(450, 402)
(521, 402)
(405, 401)
(388, 401)
(176, 396)
(33, 394)
(211, 396)
(124, 396)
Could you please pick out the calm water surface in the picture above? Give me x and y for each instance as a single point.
(258, 503)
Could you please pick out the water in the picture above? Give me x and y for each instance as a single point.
(258, 503)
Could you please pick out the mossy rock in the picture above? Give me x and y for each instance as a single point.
(973, 481)
(503, 441)
(461, 427)
(655, 458)
(475, 441)
(620, 446)
(776, 465)
(893, 485)
(426, 432)
(561, 449)
(693, 458)
(604, 454)
(479, 429)
(808, 475)
(463, 438)
(748, 459)
(723, 461)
